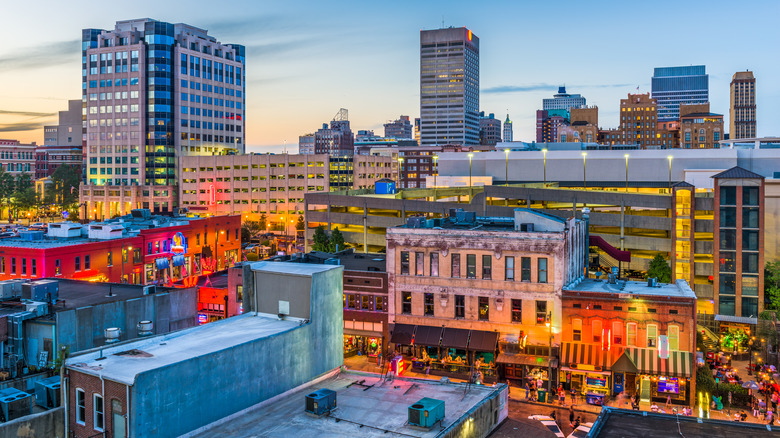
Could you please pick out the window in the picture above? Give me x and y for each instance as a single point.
(455, 266)
(86, 262)
(541, 312)
(110, 259)
(509, 268)
(484, 308)
(419, 263)
(57, 267)
(541, 274)
(517, 311)
(406, 303)
(13, 265)
(428, 304)
(595, 327)
(97, 407)
(34, 267)
(487, 267)
(617, 332)
(349, 300)
(434, 264)
(673, 333)
(460, 306)
(404, 262)
(631, 333)
(81, 406)
(525, 269)
(2, 265)
(652, 336)
(471, 266)
(576, 330)
(24, 266)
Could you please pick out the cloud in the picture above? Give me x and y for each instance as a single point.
(270, 48)
(44, 55)
(26, 113)
(23, 126)
(543, 87)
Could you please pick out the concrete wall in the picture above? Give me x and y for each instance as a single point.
(165, 402)
(480, 420)
(273, 288)
(49, 424)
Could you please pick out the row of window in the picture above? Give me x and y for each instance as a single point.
(486, 272)
(98, 410)
(483, 308)
(113, 83)
(364, 302)
(33, 266)
(598, 331)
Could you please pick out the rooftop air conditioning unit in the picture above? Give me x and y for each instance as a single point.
(47, 392)
(321, 402)
(14, 404)
(426, 412)
(652, 282)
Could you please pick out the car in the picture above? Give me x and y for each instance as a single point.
(38, 225)
(7, 234)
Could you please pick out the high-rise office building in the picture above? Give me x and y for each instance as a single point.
(563, 101)
(489, 129)
(508, 135)
(153, 91)
(449, 87)
(672, 86)
(742, 113)
(399, 129)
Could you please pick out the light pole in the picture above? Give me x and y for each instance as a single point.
(626, 155)
(670, 172)
(584, 180)
(400, 162)
(506, 168)
(548, 323)
(544, 160)
(435, 170)
(292, 241)
(470, 190)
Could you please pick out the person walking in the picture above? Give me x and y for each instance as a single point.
(561, 394)
(527, 391)
(571, 416)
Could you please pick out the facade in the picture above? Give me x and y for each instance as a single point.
(49, 158)
(742, 111)
(563, 101)
(449, 87)
(368, 169)
(638, 118)
(463, 285)
(306, 144)
(489, 129)
(672, 86)
(17, 158)
(336, 139)
(584, 126)
(105, 202)
(399, 129)
(120, 389)
(67, 132)
(631, 337)
(699, 128)
(548, 122)
(508, 134)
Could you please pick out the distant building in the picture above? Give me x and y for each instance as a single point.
(563, 101)
(638, 118)
(742, 112)
(417, 130)
(699, 128)
(508, 134)
(67, 132)
(449, 60)
(399, 129)
(306, 144)
(672, 86)
(489, 129)
(17, 158)
(364, 134)
(336, 139)
(49, 158)
(584, 126)
(548, 122)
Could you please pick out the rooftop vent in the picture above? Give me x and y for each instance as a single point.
(652, 282)
(32, 235)
(145, 328)
(112, 335)
(415, 222)
(320, 402)
(426, 413)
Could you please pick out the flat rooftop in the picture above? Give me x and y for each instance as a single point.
(123, 362)
(375, 408)
(679, 289)
(74, 293)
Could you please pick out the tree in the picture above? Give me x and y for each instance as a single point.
(23, 182)
(252, 257)
(263, 222)
(6, 188)
(252, 229)
(336, 241)
(321, 240)
(25, 199)
(301, 224)
(66, 181)
(660, 269)
(772, 285)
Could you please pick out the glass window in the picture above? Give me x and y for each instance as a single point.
(652, 336)
(595, 327)
(749, 307)
(749, 217)
(455, 266)
(460, 306)
(81, 406)
(749, 195)
(434, 264)
(404, 262)
(728, 239)
(379, 304)
(34, 267)
(617, 332)
(576, 330)
(77, 263)
(509, 268)
(406, 303)
(728, 217)
(727, 284)
(542, 270)
(673, 333)
(750, 262)
(750, 285)
(97, 407)
(525, 269)
(517, 310)
(471, 266)
(541, 312)
(631, 334)
(728, 261)
(57, 267)
(484, 308)
(749, 240)
(419, 263)
(487, 267)
(86, 262)
(727, 305)
(366, 302)
(428, 304)
(110, 259)
(728, 196)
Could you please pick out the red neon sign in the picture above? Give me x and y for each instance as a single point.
(212, 195)
(606, 339)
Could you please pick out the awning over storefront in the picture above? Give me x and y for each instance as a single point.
(162, 263)
(574, 354)
(522, 359)
(178, 260)
(455, 338)
(402, 334)
(679, 363)
(483, 341)
(736, 319)
(427, 335)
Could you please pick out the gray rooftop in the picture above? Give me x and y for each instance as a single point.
(76, 293)
(124, 361)
(680, 289)
(379, 411)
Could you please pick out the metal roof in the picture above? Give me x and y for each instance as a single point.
(737, 172)
(737, 319)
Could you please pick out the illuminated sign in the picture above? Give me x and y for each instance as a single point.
(178, 243)
(606, 339)
(212, 195)
(663, 347)
(202, 318)
(469, 35)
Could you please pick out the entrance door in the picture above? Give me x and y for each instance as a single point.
(644, 393)
(630, 383)
(118, 429)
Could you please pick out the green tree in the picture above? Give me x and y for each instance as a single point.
(301, 224)
(250, 230)
(336, 241)
(25, 199)
(252, 257)
(321, 240)
(6, 188)
(66, 181)
(23, 182)
(772, 285)
(263, 222)
(660, 269)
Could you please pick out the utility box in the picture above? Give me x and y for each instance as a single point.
(47, 392)
(384, 186)
(321, 402)
(14, 404)
(426, 412)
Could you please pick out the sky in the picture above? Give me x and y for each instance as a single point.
(307, 59)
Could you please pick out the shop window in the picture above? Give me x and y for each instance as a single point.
(460, 306)
(455, 265)
(652, 336)
(110, 259)
(576, 330)
(484, 308)
(428, 297)
(81, 406)
(419, 263)
(487, 267)
(434, 264)
(525, 269)
(404, 262)
(631, 334)
(406, 303)
(617, 332)
(87, 262)
(365, 302)
(471, 266)
(98, 413)
(541, 312)
(517, 311)
(509, 268)
(542, 270)
(595, 326)
(673, 333)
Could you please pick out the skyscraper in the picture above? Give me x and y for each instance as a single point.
(742, 113)
(449, 87)
(399, 129)
(563, 101)
(672, 86)
(508, 135)
(153, 91)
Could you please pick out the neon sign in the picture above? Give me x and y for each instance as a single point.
(202, 318)
(178, 243)
(212, 195)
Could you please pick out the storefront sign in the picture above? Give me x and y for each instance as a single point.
(178, 244)
(202, 318)
(669, 385)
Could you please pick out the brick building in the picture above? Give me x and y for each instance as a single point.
(699, 128)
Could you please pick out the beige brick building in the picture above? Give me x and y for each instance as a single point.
(699, 128)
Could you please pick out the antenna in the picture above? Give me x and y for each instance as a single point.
(342, 115)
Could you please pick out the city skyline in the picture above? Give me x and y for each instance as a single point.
(371, 65)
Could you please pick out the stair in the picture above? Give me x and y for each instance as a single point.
(711, 340)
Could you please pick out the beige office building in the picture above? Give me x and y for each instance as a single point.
(742, 112)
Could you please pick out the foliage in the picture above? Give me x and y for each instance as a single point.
(700, 341)
(660, 269)
(246, 236)
(734, 339)
(251, 229)
(739, 395)
(301, 224)
(66, 181)
(6, 187)
(25, 199)
(772, 285)
(23, 182)
(62, 354)
(321, 240)
(252, 257)
(263, 222)
(336, 241)
(705, 382)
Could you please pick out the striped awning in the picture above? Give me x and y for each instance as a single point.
(573, 354)
(647, 361)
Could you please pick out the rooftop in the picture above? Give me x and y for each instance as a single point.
(125, 361)
(373, 408)
(680, 289)
(74, 293)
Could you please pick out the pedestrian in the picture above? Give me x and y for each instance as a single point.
(573, 396)
(539, 383)
(571, 416)
(561, 395)
(527, 391)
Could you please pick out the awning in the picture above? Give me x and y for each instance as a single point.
(178, 260)
(162, 263)
(736, 319)
(483, 341)
(593, 355)
(624, 364)
(455, 338)
(402, 334)
(679, 363)
(576, 370)
(427, 335)
(522, 359)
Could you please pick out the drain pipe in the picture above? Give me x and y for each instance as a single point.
(64, 389)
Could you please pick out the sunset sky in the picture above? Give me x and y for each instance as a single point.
(305, 60)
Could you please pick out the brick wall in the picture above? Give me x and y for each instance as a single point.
(92, 385)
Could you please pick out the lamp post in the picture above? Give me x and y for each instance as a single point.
(584, 180)
(471, 193)
(544, 161)
(292, 241)
(626, 155)
(548, 323)
(400, 162)
(670, 172)
(435, 170)
(506, 168)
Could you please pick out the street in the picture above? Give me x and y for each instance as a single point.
(519, 425)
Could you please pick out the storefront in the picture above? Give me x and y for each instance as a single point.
(585, 369)
(657, 379)
(370, 346)
(518, 368)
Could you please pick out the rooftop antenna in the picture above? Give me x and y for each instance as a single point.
(442, 21)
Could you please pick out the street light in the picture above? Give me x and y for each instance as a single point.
(435, 170)
(470, 157)
(584, 181)
(626, 155)
(400, 162)
(670, 172)
(544, 160)
(506, 168)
